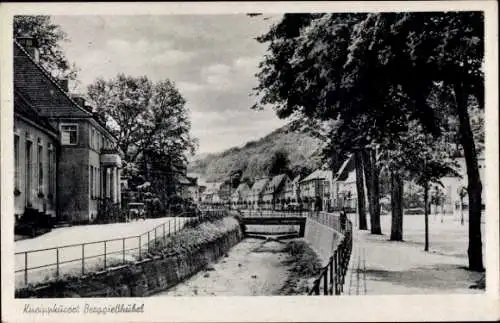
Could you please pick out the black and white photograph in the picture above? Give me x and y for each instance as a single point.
(156, 156)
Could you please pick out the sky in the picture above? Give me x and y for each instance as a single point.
(211, 58)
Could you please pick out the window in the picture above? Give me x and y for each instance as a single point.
(28, 172)
(96, 140)
(95, 182)
(91, 137)
(51, 162)
(16, 162)
(91, 177)
(40, 166)
(69, 134)
(98, 182)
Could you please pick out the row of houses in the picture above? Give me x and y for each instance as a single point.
(322, 189)
(65, 159)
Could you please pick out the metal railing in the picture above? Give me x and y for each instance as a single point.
(105, 253)
(272, 213)
(332, 277)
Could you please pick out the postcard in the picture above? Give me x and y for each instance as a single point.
(267, 161)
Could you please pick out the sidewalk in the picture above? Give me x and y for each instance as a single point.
(382, 267)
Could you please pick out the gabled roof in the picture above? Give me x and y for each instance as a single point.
(351, 177)
(296, 180)
(259, 185)
(277, 180)
(44, 92)
(40, 88)
(23, 108)
(344, 170)
(242, 187)
(317, 174)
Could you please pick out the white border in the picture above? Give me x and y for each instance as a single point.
(225, 309)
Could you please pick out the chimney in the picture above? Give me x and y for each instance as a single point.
(81, 102)
(63, 83)
(30, 45)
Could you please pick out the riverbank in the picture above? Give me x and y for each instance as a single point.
(183, 255)
(255, 267)
(251, 268)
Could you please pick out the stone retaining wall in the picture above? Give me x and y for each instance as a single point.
(144, 278)
(323, 239)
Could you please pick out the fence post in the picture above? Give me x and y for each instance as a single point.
(104, 254)
(123, 247)
(336, 280)
(140, 247)
(169, 227)
(325, 283)
(330, 264)
(148, 240)
(26, 268)
(164, 237)
(155, 237)
(57, 263)
(83, 258)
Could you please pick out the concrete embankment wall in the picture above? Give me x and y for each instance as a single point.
(323, 239)
(157, 273)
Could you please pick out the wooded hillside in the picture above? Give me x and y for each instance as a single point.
(255, 158)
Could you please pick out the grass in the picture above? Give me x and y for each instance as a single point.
(192, 237)
(305, 266)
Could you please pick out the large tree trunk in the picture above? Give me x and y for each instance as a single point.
(474, 182)
(372, 183)
(360, 187)
(396, 206)
(426, 215)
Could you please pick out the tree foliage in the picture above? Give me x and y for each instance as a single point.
(151, 123)
(374, 75)
(279, 163)
(145, 115)
(49, 36)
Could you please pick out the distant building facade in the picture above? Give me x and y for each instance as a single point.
(453, 184)
(274, 192)
(292, 190)
(240, 195)
(255, 196)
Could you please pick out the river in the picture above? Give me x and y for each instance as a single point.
(251, 268)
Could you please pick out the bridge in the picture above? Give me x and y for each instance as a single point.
(274, 220)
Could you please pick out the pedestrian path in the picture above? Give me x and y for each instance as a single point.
(382, 267)
(355, 281)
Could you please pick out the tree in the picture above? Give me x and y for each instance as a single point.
(426, 162)
(424, 51)
(375, 73)
(145, 115)
(373, 188)
(49, 37)
(358, 161)
(151, 124)
(279, 163)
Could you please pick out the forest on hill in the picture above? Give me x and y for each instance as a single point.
(282, 150)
